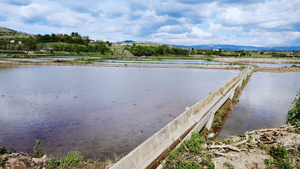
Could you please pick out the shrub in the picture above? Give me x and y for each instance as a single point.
(293, 115)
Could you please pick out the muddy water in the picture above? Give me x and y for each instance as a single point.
(264, 103)
(99, 110)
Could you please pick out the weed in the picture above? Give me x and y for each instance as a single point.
(268, 162)
(209, 164)
(53, 163)
(220, 112)
(191, 146)
(250, 138)
(182, 165)
(264, 147)
(293, 115)
(243, 135)
(194, 144)
(38, 149)
(72, 159)
(279, 152)
(218, 121)
(227, 164)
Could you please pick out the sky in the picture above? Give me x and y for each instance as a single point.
(180, 22)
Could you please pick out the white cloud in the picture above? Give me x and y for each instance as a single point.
(188, 22)
(221, 28)
(34, 10)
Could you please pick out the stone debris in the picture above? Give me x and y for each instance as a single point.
(23, 160)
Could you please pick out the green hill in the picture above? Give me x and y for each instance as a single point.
(6, 33)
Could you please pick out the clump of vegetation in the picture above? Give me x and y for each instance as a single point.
(191, 147)
(218, 117)
(72, 159)
(218, 121)
(282, 158)
(38, 150)
(293, 115)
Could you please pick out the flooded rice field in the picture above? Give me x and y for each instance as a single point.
(98, 110)
(264, 103)
(98, 61)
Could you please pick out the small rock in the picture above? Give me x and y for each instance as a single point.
(44, 157)
(37, 160)
(12, 161)
(16, 154)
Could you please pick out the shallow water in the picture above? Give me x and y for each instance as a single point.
(264, 103)
(99, 110)
(273, 65)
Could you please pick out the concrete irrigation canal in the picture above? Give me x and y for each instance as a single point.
(194, 118)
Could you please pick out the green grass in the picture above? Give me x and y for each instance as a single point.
(190, 147)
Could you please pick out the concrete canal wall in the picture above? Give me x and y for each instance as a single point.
(193, 119)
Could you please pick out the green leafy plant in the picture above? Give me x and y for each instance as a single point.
(53, 163)
(218, 121)
(182, 165)
(72, 159)
(293, 115)
(279, 152)
(38, 150)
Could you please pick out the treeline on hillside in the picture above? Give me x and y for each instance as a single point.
(137, 50)
(68, 43)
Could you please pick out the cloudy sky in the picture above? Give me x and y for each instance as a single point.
(186, 22)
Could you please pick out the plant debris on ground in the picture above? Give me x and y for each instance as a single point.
(266, 148)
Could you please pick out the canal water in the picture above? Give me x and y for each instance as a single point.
(97, 110)
(264, 103)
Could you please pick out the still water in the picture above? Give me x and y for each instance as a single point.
(264, 103)
(98, 110)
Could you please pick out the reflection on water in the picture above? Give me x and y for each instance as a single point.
(264, 103)
(99, 110)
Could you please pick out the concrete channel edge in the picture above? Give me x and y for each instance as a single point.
(192, 119)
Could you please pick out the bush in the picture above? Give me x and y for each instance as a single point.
(293, 115)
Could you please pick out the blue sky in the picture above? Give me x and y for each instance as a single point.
(181, 22)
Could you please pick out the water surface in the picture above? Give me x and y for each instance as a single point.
(264, 103)
(99, 110)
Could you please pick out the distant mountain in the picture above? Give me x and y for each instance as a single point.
(9, 33)
(128, 41)
(239, 48)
